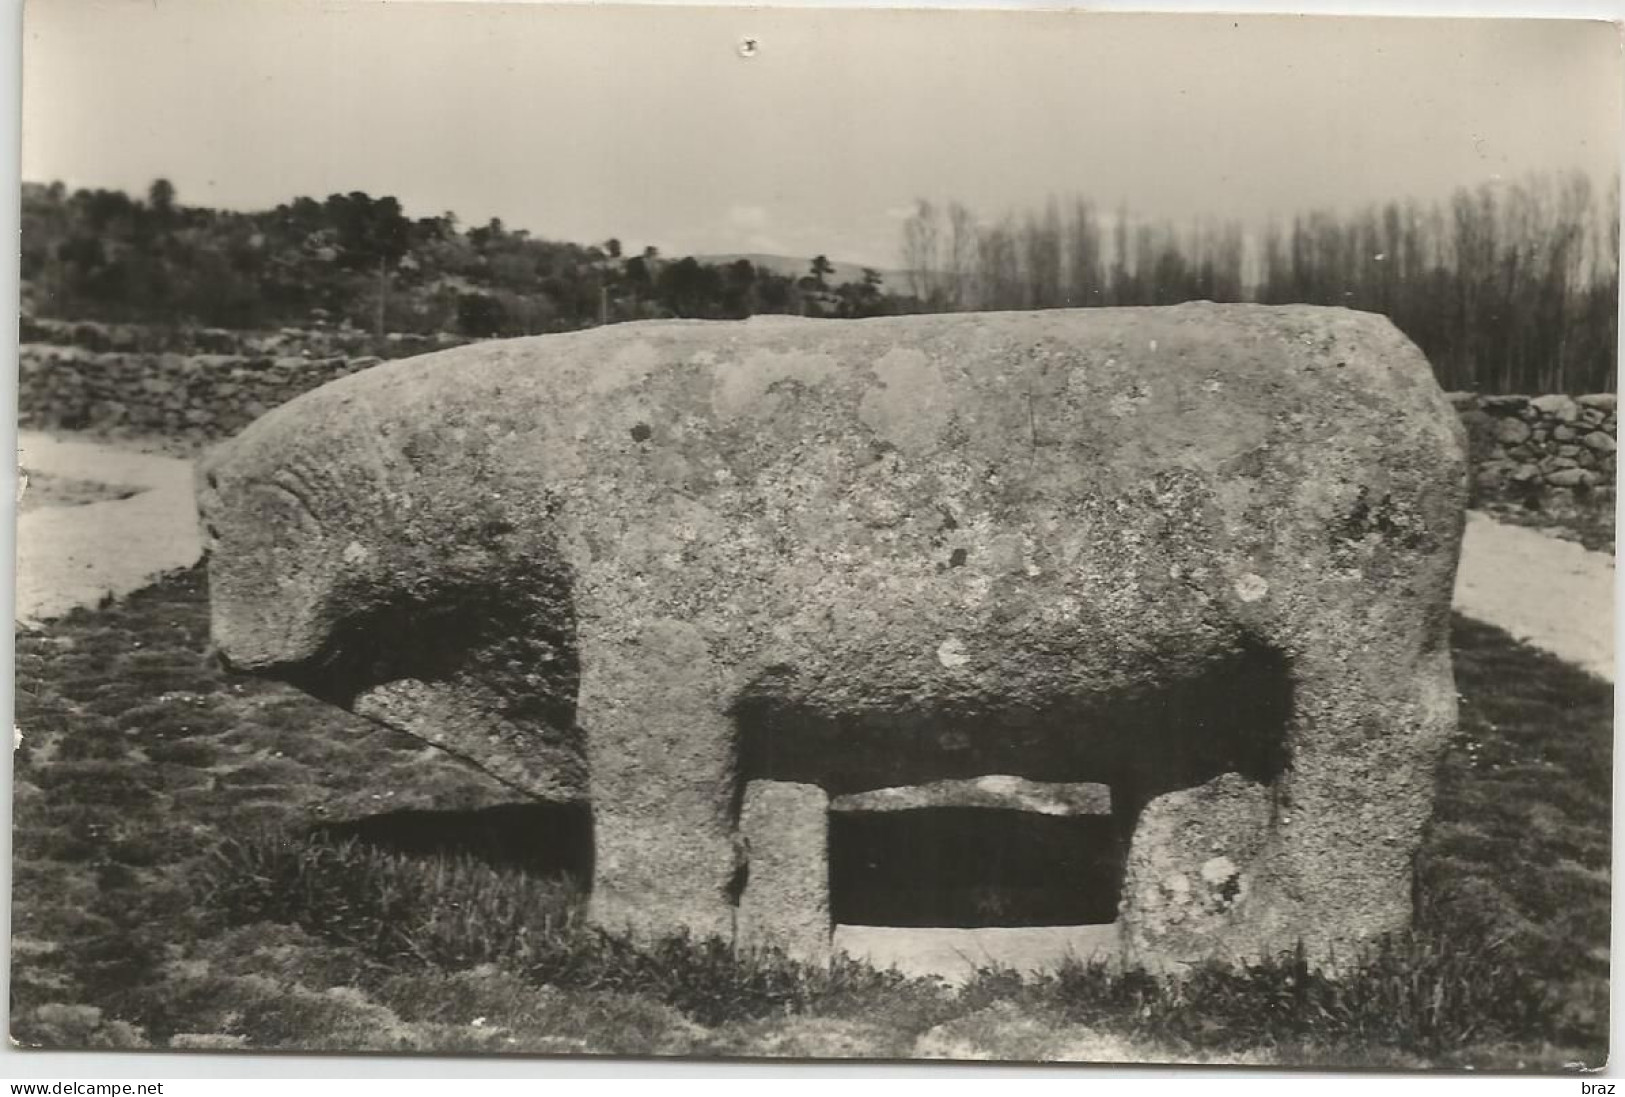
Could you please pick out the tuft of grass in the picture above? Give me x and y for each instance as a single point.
(455, 912)
(449, 911)
(710, 981)
(1588, 522)
(1417, 992)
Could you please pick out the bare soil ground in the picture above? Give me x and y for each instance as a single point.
(133, 520)
(1551, 593)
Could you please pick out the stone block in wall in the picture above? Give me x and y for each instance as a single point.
(1503, 405)
(216, 340)
(1510, 432)
(1604, 401)
(1557, 406)
(1571, 478)
(1600, 441)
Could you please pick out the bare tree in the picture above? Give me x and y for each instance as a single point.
(922, 241)
(964, 246)
(1506, 287)
(1086, 282)
(1000, 267)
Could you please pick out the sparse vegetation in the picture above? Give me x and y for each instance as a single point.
(169, 892)
(1510, 287)
(453, 912)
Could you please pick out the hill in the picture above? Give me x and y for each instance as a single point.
(792, 266)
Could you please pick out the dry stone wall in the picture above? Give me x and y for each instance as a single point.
(185, 398)
(318, 342)
(1546, 452)
(195, 386)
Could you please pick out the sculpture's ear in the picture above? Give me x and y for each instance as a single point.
(346, 560)
(472, 651)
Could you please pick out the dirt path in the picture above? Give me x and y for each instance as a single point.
(1552, 594)
(75, 555)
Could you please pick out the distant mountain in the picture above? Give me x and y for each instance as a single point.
(792, 266)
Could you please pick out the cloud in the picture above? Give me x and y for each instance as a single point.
(745, 218)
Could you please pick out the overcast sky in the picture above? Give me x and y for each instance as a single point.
(646, 124)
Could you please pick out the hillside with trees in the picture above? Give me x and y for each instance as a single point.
(356, 259)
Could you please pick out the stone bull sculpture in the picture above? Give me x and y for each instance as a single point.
(710, 575)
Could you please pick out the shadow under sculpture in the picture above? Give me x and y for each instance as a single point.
(711, 577)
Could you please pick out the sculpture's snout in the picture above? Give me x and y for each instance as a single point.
(268, 575)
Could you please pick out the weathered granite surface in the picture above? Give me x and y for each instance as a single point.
(1202, 555)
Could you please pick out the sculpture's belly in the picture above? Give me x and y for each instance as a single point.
(898, 684)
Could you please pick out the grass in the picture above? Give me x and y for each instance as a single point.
(1587, 522)
(44, 490)
(169, 891)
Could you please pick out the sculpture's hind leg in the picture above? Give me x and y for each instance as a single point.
(661, 773)
(1320, 849)
(1373, 704)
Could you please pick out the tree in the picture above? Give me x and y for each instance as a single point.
(161, 198)
(480, 315)
(863, 298)
(921, 240)
(820, 268)
(688, 288)
(739, 289)
(1087, 281)
(964, 243)
(371, 233)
